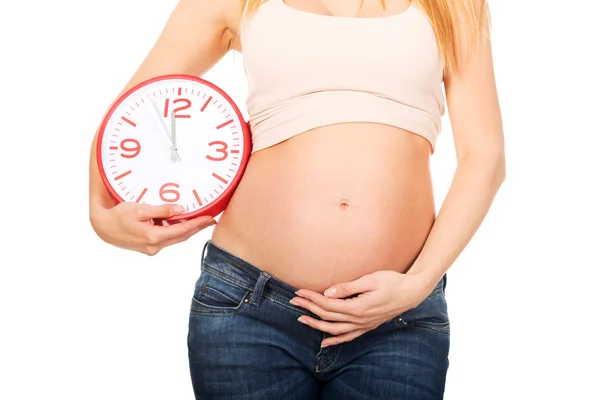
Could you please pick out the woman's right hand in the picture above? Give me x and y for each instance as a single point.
(132, 226)
(196, 36)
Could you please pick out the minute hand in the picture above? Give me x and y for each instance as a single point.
(161, 121)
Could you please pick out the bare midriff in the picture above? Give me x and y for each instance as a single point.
(332, 204)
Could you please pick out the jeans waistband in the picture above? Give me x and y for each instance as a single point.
(241, 273)
(236, 271)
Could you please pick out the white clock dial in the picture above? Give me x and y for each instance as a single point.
(174, 140)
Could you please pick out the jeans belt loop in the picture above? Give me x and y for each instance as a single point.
(258, 288)
(203, 253)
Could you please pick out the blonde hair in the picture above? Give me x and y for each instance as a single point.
(458, 25)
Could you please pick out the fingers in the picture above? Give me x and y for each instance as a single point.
(184, 230)
(341, 331)
(159, 237)
(355, 306)
(163, 211)
(346, 337)
(164, 233)
(347, 289)
(333, 328)
(326, 315)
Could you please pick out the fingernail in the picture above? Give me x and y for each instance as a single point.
(324, 345)
(292, 302)
(330, 292)
(178, 209)
(301, 320)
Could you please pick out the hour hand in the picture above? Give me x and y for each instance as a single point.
(174, 154)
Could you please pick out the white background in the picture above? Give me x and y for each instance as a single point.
(83, 320)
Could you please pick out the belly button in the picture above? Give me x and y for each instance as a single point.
(344, 204)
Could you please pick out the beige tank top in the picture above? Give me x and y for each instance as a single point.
(308, 70)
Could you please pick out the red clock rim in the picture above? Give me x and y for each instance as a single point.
(220, 203)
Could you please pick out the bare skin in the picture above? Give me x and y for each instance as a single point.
(347, 206)
(314, 215)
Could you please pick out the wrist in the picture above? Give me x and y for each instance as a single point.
(427, 277)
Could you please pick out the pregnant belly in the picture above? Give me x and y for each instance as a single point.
(331, 205)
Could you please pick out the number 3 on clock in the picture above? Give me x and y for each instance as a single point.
(222, 149)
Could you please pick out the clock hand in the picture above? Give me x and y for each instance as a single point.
(174, 154)
(161, 120)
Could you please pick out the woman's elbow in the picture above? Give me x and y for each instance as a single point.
(488, 160)
(495, 161)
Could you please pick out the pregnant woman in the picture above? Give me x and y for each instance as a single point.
(325, 276)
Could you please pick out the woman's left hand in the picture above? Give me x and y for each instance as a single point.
(381, 296)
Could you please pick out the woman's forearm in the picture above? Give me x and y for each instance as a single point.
(99, 194)
(476, 181)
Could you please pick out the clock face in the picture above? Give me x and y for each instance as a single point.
(174, 139)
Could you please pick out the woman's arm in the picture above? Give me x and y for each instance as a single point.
(476, 121)
(197, 34)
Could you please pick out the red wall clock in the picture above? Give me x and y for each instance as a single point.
(174, 139)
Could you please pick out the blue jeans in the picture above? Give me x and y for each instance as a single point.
(245, 343)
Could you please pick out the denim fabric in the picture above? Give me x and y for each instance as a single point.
(245, 343)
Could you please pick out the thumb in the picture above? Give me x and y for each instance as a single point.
(147, 211)
(347, 289)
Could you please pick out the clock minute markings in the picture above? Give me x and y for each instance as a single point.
(205, 104)
(219, 177)
(197, 197)
(141, 195)
(130, 122)
(123, 175)
(224, 124)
